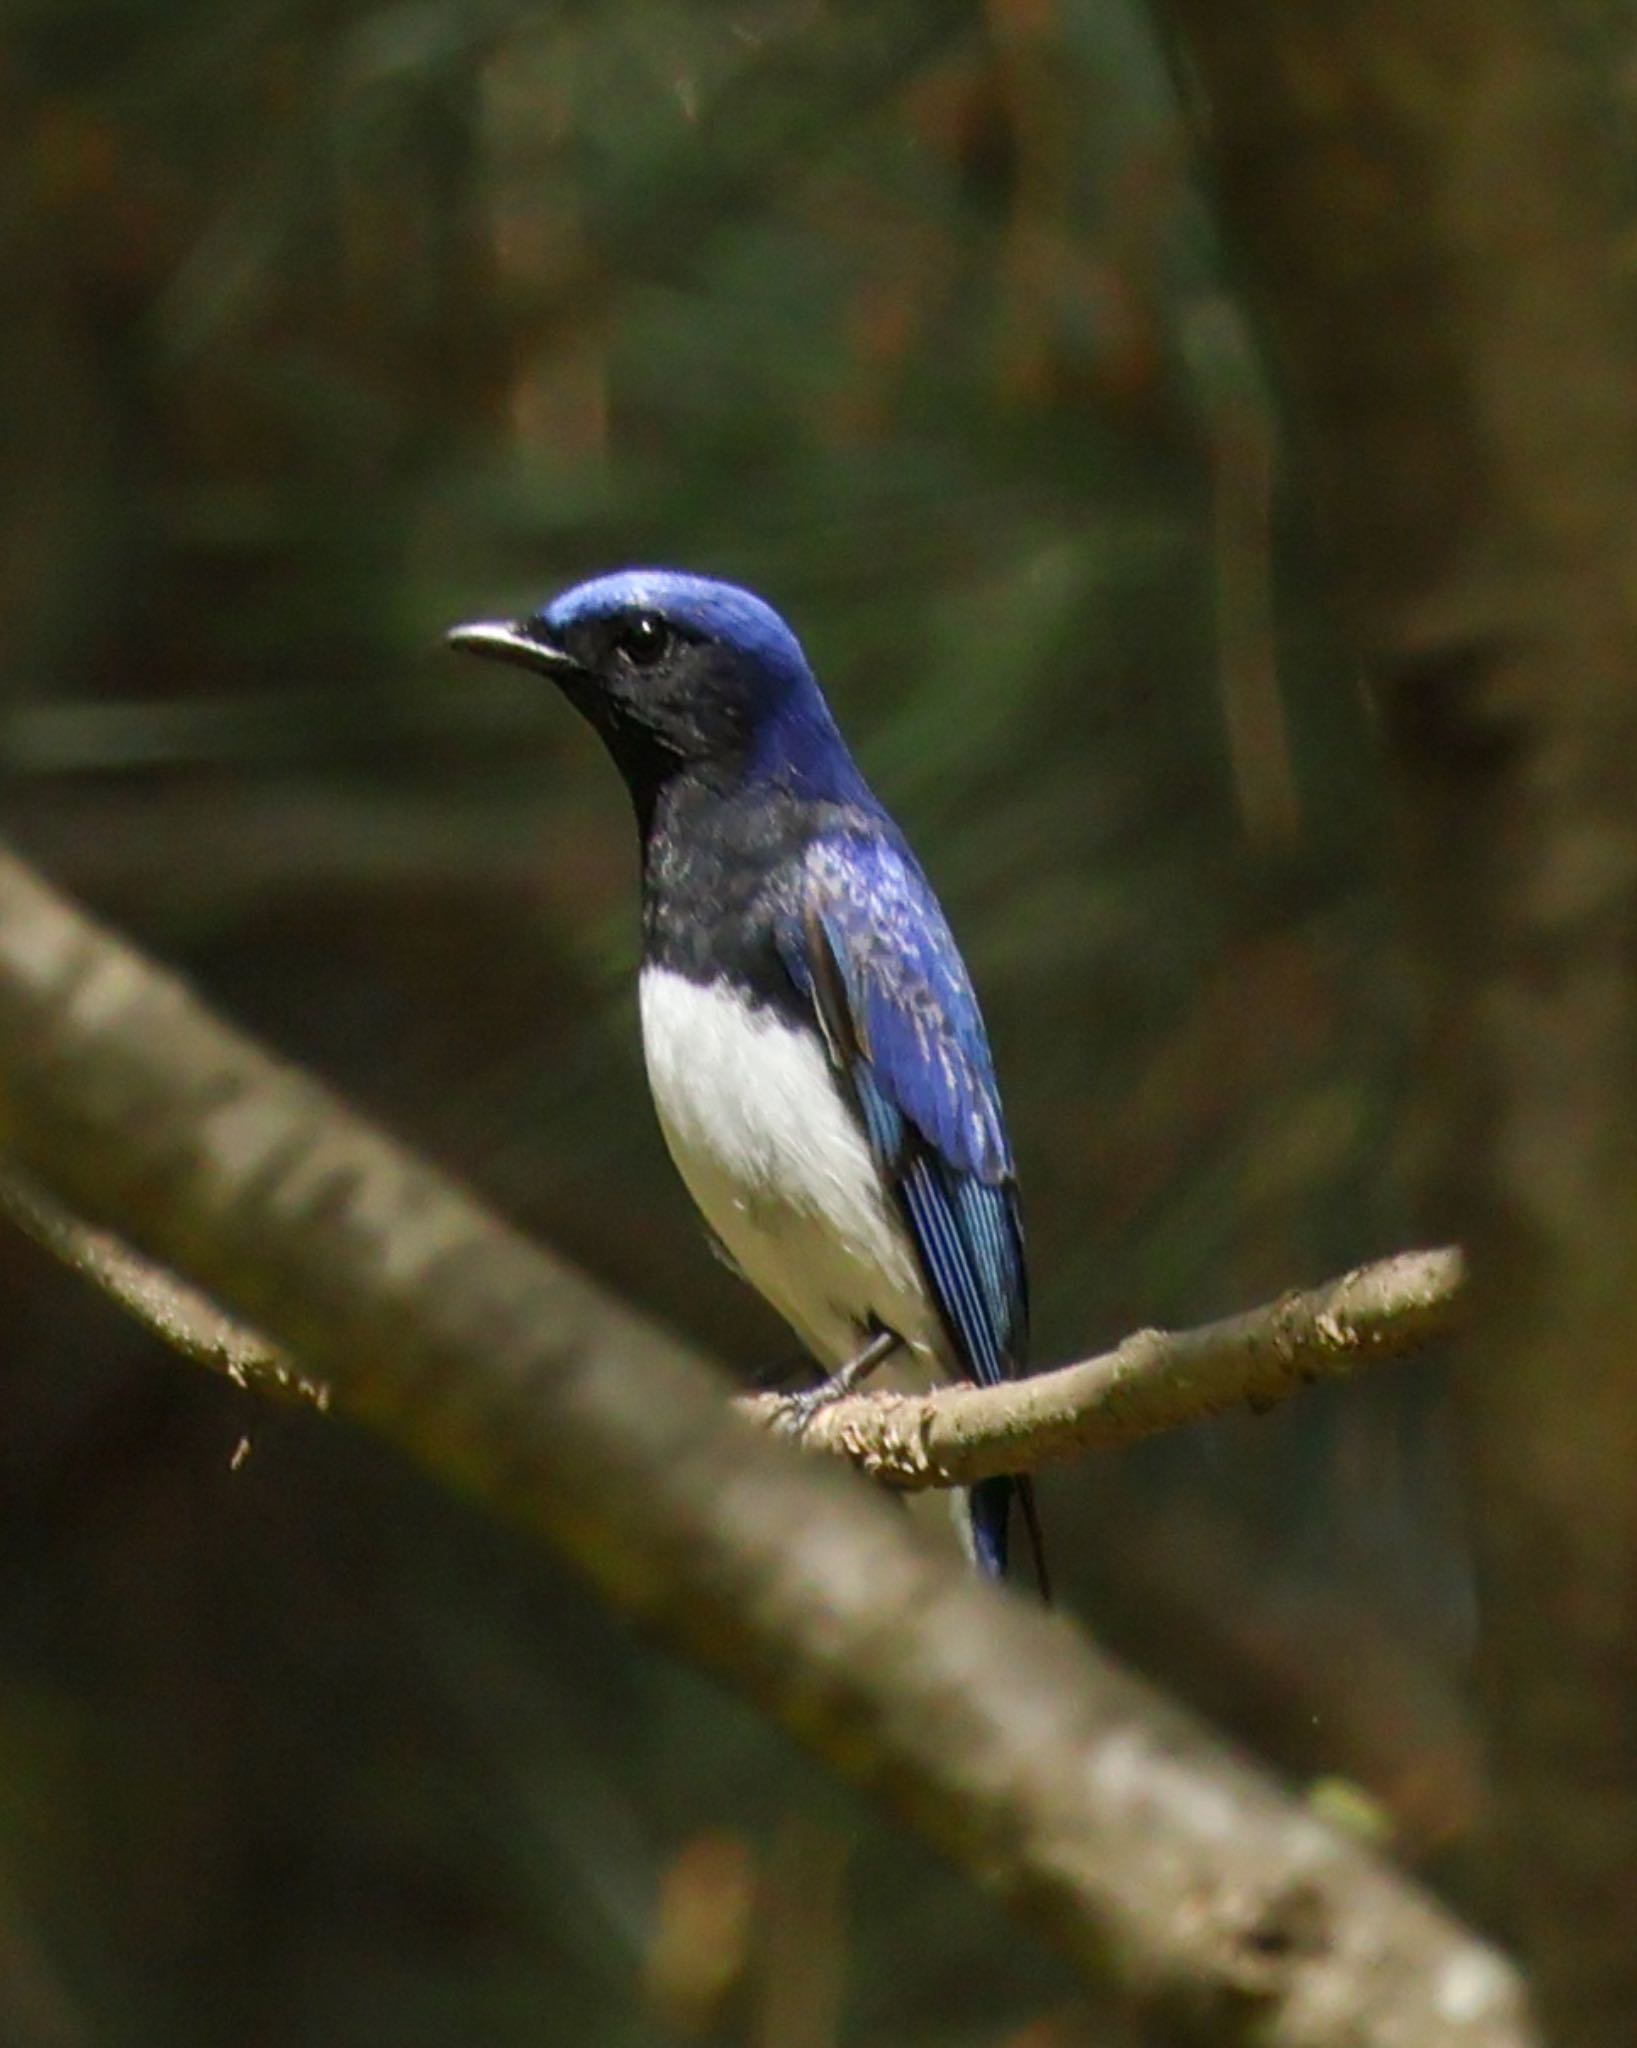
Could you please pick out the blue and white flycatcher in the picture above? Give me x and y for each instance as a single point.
(814, 1046)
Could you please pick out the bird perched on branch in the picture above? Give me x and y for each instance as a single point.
(815, 1050)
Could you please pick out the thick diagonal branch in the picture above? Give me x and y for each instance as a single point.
(1151, 1854)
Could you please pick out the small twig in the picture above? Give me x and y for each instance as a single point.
(1156, 1380)
(178, 1314)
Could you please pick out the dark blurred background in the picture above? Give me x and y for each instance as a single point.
(324, 327)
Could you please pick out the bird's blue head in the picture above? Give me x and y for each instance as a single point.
(679, 673)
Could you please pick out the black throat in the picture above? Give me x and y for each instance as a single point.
(721, 874)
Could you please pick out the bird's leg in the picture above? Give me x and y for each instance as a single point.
(797, 1410)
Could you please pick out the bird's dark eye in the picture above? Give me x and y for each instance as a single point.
(642, 639)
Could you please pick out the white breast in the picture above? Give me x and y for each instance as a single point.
(773, 1156)
(781, 1172)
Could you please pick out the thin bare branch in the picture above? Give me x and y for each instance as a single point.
(172, 1310)
(1156, 1380)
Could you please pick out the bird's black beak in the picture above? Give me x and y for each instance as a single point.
(499, 640)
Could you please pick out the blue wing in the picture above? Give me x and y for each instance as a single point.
(870, 948)
(868, 945)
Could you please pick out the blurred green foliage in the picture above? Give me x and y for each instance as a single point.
(328, 327)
